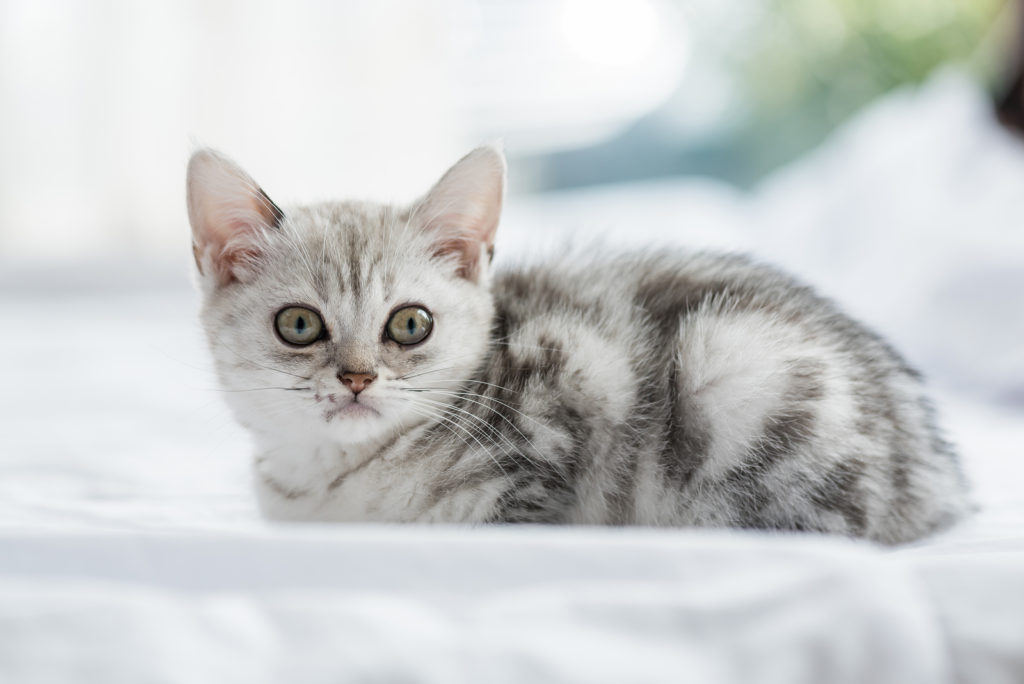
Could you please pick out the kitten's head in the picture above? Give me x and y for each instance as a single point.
(326, 321)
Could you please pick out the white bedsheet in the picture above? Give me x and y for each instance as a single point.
(130, 549)
(451, 605)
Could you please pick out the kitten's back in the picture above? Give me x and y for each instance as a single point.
(710, 390)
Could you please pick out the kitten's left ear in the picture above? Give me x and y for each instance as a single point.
(229, 214)
(463, 209)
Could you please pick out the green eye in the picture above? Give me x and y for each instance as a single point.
(299, 325)
(410, 325)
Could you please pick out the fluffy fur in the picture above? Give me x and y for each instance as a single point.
(657, 388)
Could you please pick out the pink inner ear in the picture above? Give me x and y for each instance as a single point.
(466, 248)
(237, 244)
(464, 236)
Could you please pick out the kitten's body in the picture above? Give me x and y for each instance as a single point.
(659, 388)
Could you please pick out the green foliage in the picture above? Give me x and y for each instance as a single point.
(843, 53)
(808, 64)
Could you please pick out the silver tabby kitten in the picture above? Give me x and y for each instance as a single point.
(387, 374)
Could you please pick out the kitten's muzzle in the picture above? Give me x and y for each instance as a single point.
(356, 382)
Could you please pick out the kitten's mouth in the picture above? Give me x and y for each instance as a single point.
(350, 410)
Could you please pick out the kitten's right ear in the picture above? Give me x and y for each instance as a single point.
(229, 214)
(462, 210)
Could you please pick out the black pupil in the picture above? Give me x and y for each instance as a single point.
(300, 324)
(411, 325)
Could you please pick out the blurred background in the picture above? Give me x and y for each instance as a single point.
(103, 101)
(852, 142)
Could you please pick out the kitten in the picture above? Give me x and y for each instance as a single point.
(387, 374)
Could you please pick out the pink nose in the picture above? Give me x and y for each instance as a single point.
(356, 382)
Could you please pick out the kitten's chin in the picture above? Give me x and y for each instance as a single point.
(358, 422)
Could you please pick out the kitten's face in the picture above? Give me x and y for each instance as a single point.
(327, 322)
(346, 315)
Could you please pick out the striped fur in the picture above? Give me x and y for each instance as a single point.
(656, 388)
